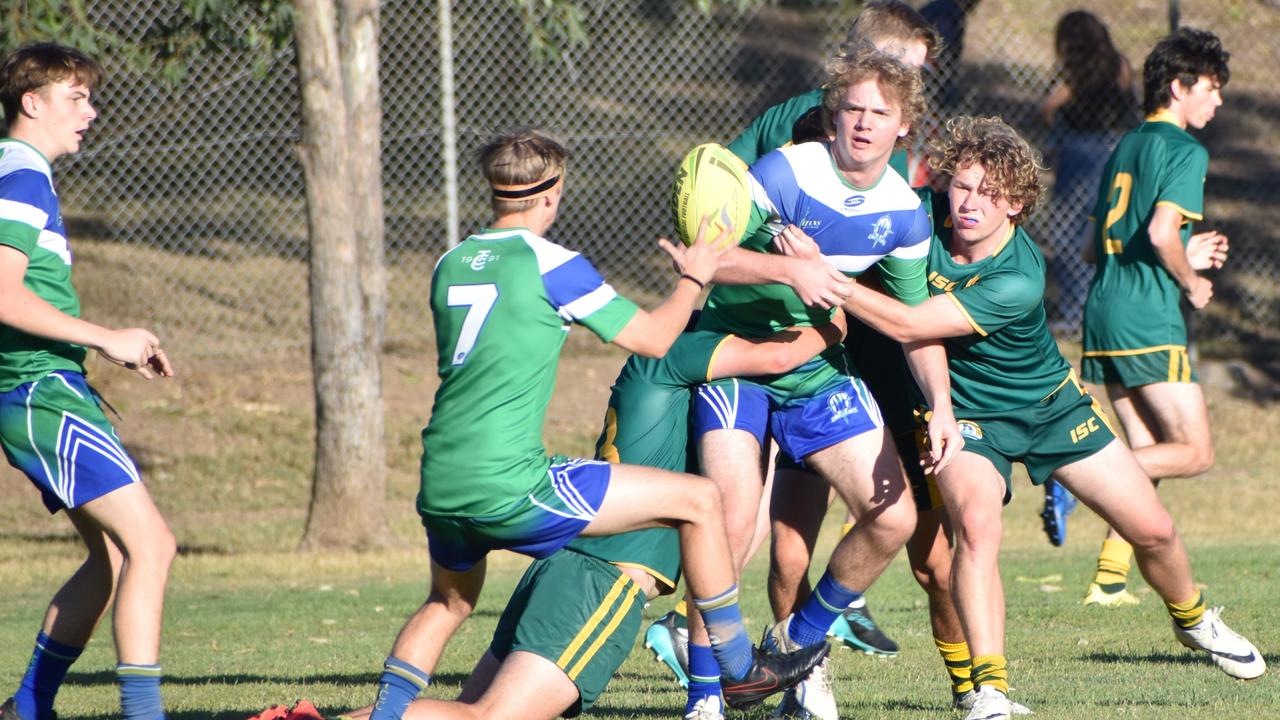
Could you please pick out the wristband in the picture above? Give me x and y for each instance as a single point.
(686, 276)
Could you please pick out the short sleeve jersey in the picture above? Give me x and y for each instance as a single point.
(855, 228)
(1134, 303)
(1010, 360)
(773, 129)
(647, 423)
(31, 222)
(503, 302)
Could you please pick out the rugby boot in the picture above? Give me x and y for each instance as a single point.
(965, 702)
(812, 698)
(771, 673)
(989, 704)
(710, 707)
(9, 711)
(1058, 504)
(1097, 596)
(1230, 651)
(858, 631)
(668, 638)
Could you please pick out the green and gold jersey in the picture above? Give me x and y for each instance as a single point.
(31, 223)
(1010, 360)
(1134, 304)
(647, 423)
(502, 302)
(773, 129)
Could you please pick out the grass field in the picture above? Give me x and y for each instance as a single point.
(250, 623)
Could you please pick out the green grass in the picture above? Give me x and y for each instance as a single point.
(248, 629)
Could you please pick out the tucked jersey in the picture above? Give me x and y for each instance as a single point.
(647, 423)
(1133, 302)
(884, 225)
(31, 222)
(1010, 360)
(503, 302)
(774, 129)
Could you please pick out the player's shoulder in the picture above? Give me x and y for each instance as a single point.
(1022, 256)
(796, 159)
(893, 194)
(22, 166)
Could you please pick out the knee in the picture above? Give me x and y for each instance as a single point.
(154, 549)
(897, 524)
(978, 529)
(703, 499)
(791, 557)
(1155, 535)
(1202, 458)
(932, 570)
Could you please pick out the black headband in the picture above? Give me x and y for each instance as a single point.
(517, 192)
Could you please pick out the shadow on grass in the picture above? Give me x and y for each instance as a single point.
(369, 678)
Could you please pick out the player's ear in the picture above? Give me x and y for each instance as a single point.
(906, 128)
(1015, 208)
(31, 101)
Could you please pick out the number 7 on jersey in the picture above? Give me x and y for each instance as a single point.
(479, 300)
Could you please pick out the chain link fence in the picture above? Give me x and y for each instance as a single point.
(187, 202)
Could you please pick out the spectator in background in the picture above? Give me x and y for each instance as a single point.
(948, 17)
(1090, 105)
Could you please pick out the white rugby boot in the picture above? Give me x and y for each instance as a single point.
(1229, 650)
(990, 704)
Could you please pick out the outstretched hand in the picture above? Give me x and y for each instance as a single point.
(701, 259)
(136, 349)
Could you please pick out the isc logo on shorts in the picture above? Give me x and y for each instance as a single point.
(841, 406)
(1083, 430)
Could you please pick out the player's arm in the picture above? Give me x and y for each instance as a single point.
(23, 310)
(772, 129)
(651, 333)
(814, 281)
(781, 352)
(928, 362)
(1163, 229)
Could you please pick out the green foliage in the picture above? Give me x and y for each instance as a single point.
(259, 28)
(66, 21)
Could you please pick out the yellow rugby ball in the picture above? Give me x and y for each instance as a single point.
(711, 182)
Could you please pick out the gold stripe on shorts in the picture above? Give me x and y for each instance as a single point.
(588, 628)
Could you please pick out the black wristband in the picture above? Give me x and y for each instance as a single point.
(686, 276)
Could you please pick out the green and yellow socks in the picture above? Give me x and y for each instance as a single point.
(1187, 614)
(955, 656)
(1113, 566)
(990, 670)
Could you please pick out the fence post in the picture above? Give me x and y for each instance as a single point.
(1175, 14)
(448, 124)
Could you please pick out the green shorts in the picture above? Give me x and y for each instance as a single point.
(581, 613)
(1133, 368)
(1067, 426)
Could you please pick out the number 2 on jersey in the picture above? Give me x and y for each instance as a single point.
(479, 300)
(1120, 192)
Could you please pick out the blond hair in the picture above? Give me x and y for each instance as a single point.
(899, 83)
(883, 23)
(521, 166)
(1012, 166)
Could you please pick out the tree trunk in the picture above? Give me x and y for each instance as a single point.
(348, 488)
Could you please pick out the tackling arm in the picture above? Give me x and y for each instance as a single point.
(781, 352)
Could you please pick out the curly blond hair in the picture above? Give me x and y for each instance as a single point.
(1013, 167)
(899, 83)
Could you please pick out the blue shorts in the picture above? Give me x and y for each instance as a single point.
(801, 426)
(53, 430)
(547, 519)
(731, 404)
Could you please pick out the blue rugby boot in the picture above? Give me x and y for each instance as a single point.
(1058, 505)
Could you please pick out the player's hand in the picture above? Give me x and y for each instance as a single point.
(1200, 293)
(1207, 250)
(794, 242)
(704, 256)
(136, 349)
(945, 441)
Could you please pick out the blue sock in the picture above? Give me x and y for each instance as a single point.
(729, 640)
(49, 664)
(829, 599)
(704, 674)
(140, 692)
(399, 685)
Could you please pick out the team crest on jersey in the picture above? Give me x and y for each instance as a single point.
(881, 231)
(480, 259)
(970, 429)
(841, 406)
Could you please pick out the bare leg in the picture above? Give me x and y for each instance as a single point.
(798, 506)
(867, 474)
(1112, 484)
(453, 596)
(83, 599)
(131, 522)
(929, 551)
(973, 491)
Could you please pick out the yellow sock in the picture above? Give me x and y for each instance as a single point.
(845, 528)
(1187, 614)
(1113, 565)
(682, 609)
(956, 657)
(991, 670)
